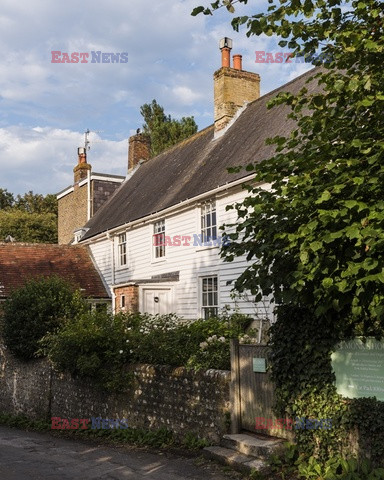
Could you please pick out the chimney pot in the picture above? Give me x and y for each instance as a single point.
(225, 57)
(225, 47)
(82, 167)
(237, 62)
(82, 155)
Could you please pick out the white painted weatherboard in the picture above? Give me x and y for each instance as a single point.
(192, 262)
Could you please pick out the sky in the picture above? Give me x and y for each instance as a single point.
(45, 106)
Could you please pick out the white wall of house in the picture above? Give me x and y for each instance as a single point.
(192, 262)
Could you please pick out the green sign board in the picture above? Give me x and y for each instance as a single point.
(259, 365)
(359, 368)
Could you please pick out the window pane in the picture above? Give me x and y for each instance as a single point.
(205, 299)
(122, 249)
(209, 296)
(208, 222)
(159, 239)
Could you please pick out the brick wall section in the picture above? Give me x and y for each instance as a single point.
(231, 89)
(80, 172)
(72, 213)
(102, 191)
(160, 396)
(138, 149)
(73, 208)
(131, 294)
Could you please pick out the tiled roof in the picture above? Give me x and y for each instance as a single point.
(21, 261)
(199, 164)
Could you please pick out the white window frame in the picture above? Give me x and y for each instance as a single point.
(122, 250)
(158, 231)
(208, 222)
(205, 302)
(122, 302)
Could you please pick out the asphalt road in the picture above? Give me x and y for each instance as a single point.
(41, 456)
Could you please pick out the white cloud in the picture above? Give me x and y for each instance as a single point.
(46, 156)
(45, 106)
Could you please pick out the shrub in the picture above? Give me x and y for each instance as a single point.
(99, 346)
(35, 309)
(158, 339)
(91, 345)
(171, 340)
(211, 340)
(214, 352)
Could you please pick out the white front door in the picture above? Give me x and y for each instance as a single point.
(157, 300)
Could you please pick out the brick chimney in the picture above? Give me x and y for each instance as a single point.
(82, 167)
(139, 149)
(232, 86)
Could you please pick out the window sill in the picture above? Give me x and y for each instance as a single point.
(159, 260)
(121, 267)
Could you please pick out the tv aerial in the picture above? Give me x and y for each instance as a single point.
(87, 141)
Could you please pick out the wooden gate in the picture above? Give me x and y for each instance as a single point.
(252, 392)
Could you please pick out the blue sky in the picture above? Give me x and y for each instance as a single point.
(45, 107)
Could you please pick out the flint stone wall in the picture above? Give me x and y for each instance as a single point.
(160, 396)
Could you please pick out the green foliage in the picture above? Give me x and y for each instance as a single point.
(91, 345)
(6, 199)
(366, 415)
(284, 463)
(29, 202)
(163, 130)
(30, 218)
(37, 308)
(154, 438)
(339, 468)
(160, 438)
(301, 370)
(214, 352)
(169, 340)
(314, 240)
(318, 233)
(100, 346)
(290, 463)
(157, 339)
(23, 422)
(36, 203)
(193, 442)
(28, 227)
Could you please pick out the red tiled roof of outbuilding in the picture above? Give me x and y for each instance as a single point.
(21, 261)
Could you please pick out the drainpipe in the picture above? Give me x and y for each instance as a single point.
(89, 205)
(112, 250)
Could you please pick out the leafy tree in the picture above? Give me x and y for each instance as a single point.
(36, 203)
(317, 237)
(6, 199)
(30, 218)
(37, 308)
(163, 130)
(28, 227)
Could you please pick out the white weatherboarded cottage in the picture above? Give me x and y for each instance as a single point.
(148, 239)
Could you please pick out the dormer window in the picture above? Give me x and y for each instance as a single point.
(79, 234)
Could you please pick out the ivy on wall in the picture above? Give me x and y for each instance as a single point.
(301, 347)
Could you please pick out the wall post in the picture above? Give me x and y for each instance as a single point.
(235, 387)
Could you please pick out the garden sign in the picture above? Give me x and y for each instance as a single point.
(359, 368)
